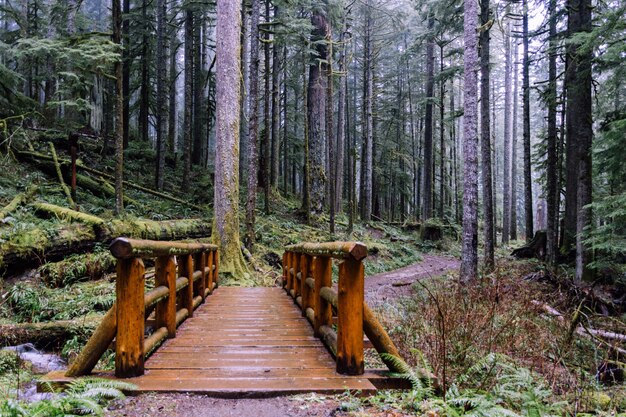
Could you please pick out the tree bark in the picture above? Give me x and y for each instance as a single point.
(506, 158)
(367, 121)
(253, 132)
(469, 255)
(275, 156)
(528, 182)
(513, 225)
(427, 207)
(551, 145)
(119, 112)
(228, 94)
(161, 113)
(316, 108)
(188, 112)
(485, 142)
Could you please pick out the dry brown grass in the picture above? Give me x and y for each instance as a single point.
(455, 326)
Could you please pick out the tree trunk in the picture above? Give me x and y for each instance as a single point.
(580, 126)
(228, 94)
(144, 95)
(427, 207)
(485, 142)
(442, 142)
(119, 112)
(316, 107)
(341, 120)
(267, 124)
(469, 254)
(506, 158)
(161, 112)
(188, 112)
(275, 156)
(253, 132)
(513, 225)
(330, 136)
(552, 158)
(198, 153)
(126, 62)
(367, 121)
(173, 76)
(528, 181)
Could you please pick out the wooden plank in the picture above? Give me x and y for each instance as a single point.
(129, 292)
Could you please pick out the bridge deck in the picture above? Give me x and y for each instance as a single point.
(246, 340)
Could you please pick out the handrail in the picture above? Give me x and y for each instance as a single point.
(197, 277)
(307, 277)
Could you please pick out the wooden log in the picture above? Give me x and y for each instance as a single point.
(18, 200)
(165, 275)
(304, 289)
(322, 273)
(124, 248)
(48, 335)
(341, 250)
(185, 269)
(181, 315)
(129, 291)
(66, 214)
(330, 295)
(97, 344)
(350, 318)
(155, 295)
(154, 340)
(57, 167)
(216, 272)
(200, 263)
(379, 338)
(210, 256)
(329, 337)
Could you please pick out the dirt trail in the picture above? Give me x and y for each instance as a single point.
(388, 286)
(379, 288)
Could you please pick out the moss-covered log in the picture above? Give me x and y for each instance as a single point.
(76, 268)
(32, 248)
(45, 335)
(354, 250)
(17, 201)
(124, 248)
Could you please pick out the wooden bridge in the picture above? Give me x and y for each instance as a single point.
(238, 341)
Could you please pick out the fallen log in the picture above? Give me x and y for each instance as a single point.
(49, 335)
(31, 248)
(17, 201)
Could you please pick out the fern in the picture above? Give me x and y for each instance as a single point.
(83, 397)
(420, 389)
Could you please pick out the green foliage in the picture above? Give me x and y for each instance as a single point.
(84, 396)
(9, 361)
(76, 268)
(24, 301)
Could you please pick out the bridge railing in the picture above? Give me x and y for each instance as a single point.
(185, 273)
(307, 277)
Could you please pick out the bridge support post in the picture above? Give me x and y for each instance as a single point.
(185, 269)
(350, 318)
(130, 312)
(165, 275)
(322, 273)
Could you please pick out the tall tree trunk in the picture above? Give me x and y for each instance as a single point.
(275, 158)
(228, 94)
(144, 95)
(506, 158)
(161, 112)
(266, 112)
(197, 155)
(341, 120)
(126, 69)
(173, 76)
(580, 125)
(552, 157)
(442, 142)
(485, 140)
(469, 254)
(285, 123)
(427, 208)
(188, 112)
(316, 110)
(330, 136)
(253, 132)
(367, 121)
(528, 181)
(119, 112)
(513, 225)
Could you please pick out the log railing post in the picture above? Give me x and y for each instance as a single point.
(165, 275)
(200, 263)
(322, 274)
(209, 279)
(285, 269)
(350, 318)
(130, 312)
(185, 269)
(216, 260)
(295, 288)
(305, 291)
